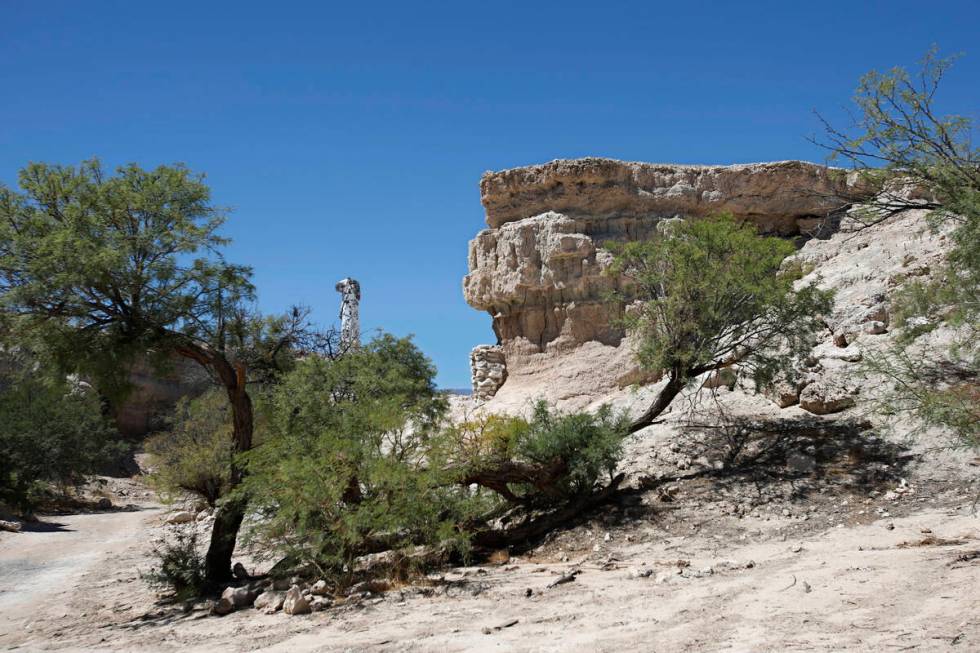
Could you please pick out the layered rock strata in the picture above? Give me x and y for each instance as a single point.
(540, 269)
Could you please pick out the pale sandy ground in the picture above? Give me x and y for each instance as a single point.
(808, 588)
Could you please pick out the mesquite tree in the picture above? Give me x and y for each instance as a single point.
(713, 294)
(99, 269)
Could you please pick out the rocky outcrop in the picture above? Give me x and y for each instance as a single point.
(488, 370)
(154, 393)
(540, 269)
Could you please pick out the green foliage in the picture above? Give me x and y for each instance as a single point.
(350, 464)
(51, 430)
(715, 293)
(195, 454)
(546, 461)
(589, 446)
(908, 156)
(180, 568)
(102, 268)
(935, 395)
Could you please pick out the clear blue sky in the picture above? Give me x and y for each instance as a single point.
(350, 137)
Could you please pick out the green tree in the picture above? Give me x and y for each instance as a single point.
(714, 294)
(97, 269)
(51, 429)
(350, 466)
(195, 453)
(906, 155)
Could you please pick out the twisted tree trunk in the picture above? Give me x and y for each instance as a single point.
(228, 518)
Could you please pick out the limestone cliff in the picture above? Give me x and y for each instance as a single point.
(538, 269)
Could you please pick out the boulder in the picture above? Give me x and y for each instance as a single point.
(181, 517)
(240, 597)
(270, 601)
(823, 397)
(294, 602)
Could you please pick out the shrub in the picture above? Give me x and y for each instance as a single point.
(51, 430)
(351, 464)
(195, 454)
(180, 567)
(549, 460)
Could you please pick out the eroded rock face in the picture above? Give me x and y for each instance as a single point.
(540, 270)
(154, 394)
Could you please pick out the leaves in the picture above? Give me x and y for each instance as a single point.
(713, 293)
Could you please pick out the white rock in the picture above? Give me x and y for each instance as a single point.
(181, 517)
(294, 603)
(269, 601)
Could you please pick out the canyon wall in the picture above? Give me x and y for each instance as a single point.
(539, 268)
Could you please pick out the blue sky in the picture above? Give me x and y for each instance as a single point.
(349, 138)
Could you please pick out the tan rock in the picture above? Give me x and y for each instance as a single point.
(294, 602)
(825, 396)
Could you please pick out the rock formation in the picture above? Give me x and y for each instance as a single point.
(539, 269)
(350, 320)
(489, 370)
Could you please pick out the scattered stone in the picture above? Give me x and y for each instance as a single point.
(10, 526)
(221, 607)
(181, 517)
(319, 588)
(240, 597)
(294, 603)
(875, 327)
(642, 573)
(104, 503)
(320, 603)
(823, 397)
(269, 601)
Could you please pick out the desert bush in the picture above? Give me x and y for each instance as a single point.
(179, 568)
(550, 459)
(195, 454)
(351, 464)
(714, 294)
(52, 430)
(908, 156)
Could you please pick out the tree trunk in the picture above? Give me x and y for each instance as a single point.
(675, 383)
(229, 516)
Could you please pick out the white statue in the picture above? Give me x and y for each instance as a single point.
(350, 321)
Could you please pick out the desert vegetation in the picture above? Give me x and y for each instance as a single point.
(327, 471)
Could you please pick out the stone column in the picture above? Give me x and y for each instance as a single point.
(350, 320)
(488, 369)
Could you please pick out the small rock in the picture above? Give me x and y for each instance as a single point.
(181, 517)
(221, 607)
(104, 503)
(240, 597)
(875, 327)
(641, 573)
(320, 603)
(294, 603)
(269, 601)
(319, 588)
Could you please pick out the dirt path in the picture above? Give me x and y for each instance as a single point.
(42, 567)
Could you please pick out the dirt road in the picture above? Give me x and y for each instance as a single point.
(42, 567)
